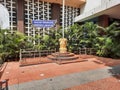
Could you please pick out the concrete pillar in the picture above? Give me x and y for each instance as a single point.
(103, 20)
(20, 15)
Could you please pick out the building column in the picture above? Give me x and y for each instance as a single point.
(56, 12)
(20, 16)
(103, 20)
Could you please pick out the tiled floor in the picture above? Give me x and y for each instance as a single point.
(17, 75)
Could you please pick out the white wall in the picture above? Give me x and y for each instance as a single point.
(105, 1)
(90, 4)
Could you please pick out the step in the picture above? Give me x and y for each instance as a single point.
(63, 58)
(62, 54)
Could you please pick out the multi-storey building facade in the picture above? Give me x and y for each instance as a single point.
(21, 13)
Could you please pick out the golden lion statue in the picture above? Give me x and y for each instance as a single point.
(63, 44)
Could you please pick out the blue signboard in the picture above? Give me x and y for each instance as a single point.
(44, 23)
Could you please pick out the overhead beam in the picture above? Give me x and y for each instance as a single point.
(72, 3)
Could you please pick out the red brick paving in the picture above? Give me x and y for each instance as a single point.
(111, 83)
(33, 61)
(17, 74)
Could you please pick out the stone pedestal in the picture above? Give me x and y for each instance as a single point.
(63, 44)
(63, 55)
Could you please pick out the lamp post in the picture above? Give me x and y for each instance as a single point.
(5, 33)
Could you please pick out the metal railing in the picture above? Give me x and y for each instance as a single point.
(34, 53)
(87, 51)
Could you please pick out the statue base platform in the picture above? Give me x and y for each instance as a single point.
(63, 56)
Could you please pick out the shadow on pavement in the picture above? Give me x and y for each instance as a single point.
(114, 65)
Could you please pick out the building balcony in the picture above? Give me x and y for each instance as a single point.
(111, 8)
